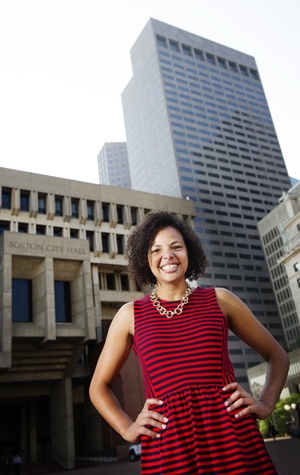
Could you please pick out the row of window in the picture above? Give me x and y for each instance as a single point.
(22, 297)
(212, 126)
(219, 84)
(233, 178)
(204, 56)
(42, 203)
(193, 95)
(107, 281)
(190, 106)
(241, 121)
(238, 154)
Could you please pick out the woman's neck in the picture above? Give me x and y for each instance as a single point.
(171, 292)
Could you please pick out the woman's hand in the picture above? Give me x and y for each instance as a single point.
(240, 397)
(146, 418)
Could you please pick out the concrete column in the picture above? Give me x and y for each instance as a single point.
(62, 425)
(32, 433)
(82, 307)
(23, 437)
(5, 310)
(43, 305)
(93, 425)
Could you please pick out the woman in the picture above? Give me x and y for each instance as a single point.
(196, 419)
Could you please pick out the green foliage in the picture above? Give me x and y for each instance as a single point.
(282, 416)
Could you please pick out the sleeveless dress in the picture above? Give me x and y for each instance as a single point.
(185, 364)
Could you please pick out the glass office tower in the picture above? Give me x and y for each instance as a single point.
(113, 165)
(198, 126)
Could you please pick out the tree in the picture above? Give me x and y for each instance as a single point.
(282, 416)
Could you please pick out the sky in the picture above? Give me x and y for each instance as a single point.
(65, 63)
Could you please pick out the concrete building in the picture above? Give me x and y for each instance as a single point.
(62, 278)
(280, 234)
(113, 165)
(198, 126)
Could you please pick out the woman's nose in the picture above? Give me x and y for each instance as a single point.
(168, 254)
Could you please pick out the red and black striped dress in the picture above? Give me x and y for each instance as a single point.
(185, 363)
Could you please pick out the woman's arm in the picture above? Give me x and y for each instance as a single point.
(113, 356)
(243, 324)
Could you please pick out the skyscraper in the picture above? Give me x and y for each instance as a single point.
(198, 126)
(113, 165)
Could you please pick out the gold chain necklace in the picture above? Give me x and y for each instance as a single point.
(178, 310)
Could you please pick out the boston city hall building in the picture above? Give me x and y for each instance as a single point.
(63, 276)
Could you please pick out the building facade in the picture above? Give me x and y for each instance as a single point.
(280, 234)
(198, 126)
(113, 165)
(62, 279)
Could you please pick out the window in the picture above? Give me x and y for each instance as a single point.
(73, 233)
(23, 228)
(210, 58)
(74, 207)
(243, 71)
(58, 206)
(186, 50)
(198, 54)
(41, 203)
(222, 63)
(297, 267)
(105, 212)
(232, 67)
(253, 74)
(110, 282)
(298, 227)
(104, 239)
(124, 282)
(90, 238)
(298, 282)
(62, 301)
(120, 214)
(90, 210)
(24, 201)
(161, 41)
(21, 300)
(120, 244)
(134, 216)
(6, 198)
(174, 45)
(4, 226)
(40, 229)
(57, 232)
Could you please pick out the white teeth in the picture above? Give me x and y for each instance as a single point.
(169, 267)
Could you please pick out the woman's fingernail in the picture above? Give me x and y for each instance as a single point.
(224, 389)
(228, 409)
(226, 403)
(163, 426)
(237, 416)
(165, 419)
(161, 402)
(158, 436)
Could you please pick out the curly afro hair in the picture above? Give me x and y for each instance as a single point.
(142, 238)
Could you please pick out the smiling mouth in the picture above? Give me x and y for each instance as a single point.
(169, 267)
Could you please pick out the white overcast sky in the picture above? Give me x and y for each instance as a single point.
(64, 64)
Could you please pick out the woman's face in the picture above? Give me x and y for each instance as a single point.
(168, 257)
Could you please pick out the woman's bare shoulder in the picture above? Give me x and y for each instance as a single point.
(124, 318)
